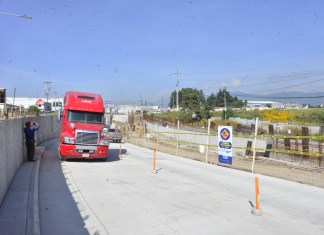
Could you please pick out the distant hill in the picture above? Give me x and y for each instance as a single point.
(287, 97)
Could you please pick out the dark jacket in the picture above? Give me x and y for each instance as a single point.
(29, 131)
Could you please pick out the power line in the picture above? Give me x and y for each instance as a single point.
(281, 97)
(305, 83)
(318, 62)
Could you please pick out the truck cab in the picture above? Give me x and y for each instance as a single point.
(83, 133)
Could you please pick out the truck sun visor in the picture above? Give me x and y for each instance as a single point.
(86, 97)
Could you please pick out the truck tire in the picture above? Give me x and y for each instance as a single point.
(103, 159)
(61, 158)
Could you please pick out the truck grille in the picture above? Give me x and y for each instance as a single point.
(87, 137)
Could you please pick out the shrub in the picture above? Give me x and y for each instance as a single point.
(276, 115)
(33, 110)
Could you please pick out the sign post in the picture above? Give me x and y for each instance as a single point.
(225, 146)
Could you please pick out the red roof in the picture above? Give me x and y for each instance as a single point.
(39, 101)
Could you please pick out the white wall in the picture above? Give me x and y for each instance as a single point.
(120, 118)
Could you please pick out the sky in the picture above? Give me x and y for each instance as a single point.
(130, 51)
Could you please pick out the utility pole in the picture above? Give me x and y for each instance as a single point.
(47, 91)
(13, 103)
(55, 103)
(177, 86)
(225, 103)
(141, 100)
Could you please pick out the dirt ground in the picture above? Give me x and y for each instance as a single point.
(263, 166)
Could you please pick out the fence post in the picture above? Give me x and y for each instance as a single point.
(208, 139)
(305, 141)
(254, 143)
(178, 138)
(267, 153)
(248, 148)
(287, 143)
(320, 150)
(154, 160)
(144, 134)
(157, 135)
(252, 128)
(271, 131)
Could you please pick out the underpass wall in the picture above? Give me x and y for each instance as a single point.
(12, 145)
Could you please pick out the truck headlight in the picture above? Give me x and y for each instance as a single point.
(68, 140)
(104, 131)
(104, 142)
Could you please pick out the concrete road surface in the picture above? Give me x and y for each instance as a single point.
(124, 196)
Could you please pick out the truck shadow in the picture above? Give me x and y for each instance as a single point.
(56, 201)
(114, 154)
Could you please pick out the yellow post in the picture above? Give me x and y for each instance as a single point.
(256, 210)
(154, 160)
(257, 205)
(208, 139)
(177, 149)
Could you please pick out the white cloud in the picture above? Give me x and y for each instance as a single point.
(236, 82)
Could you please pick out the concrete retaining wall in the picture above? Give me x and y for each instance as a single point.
(12, 145)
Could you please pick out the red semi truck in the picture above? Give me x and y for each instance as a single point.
(83, 134)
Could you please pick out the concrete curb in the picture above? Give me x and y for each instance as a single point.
(33, 221)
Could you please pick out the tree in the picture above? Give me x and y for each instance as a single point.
(219, 99)
(211, 101)
(191, 99)
(229, 113)
(173, 99)
(33, 109)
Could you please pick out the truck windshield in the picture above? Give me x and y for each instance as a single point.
(86, 117)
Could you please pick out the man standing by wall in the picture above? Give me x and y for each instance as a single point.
(30, 139)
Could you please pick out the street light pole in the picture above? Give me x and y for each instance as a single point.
(21, 16)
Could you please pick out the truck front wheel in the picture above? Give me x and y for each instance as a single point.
(61, 158)
(103, 159)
